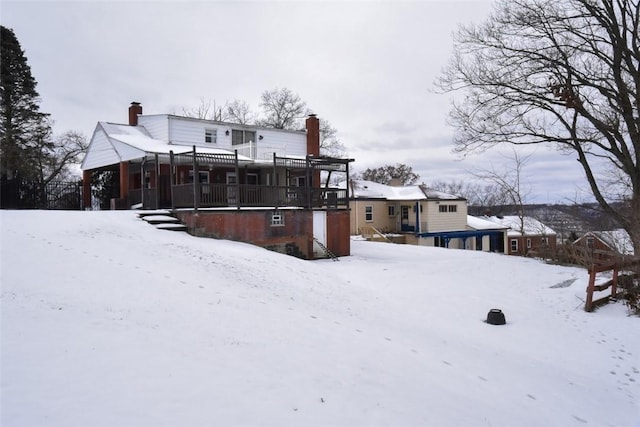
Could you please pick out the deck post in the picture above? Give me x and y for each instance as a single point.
(172, 179)
(274, 183)
(309, 182)
(196, 180)
(157, 180)
(238, 198)
(142, 182)
(590, 288)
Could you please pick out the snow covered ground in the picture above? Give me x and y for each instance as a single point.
(108, 321)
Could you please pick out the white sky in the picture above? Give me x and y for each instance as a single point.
(367, 67)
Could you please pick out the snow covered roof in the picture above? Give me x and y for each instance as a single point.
(532, 226)
(618, 240)
(363, 189)
(114, 143)
(483, 224)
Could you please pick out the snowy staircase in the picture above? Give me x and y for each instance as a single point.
(162, 220)
(326, 250)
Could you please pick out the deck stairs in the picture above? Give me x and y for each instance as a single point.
(162, 220)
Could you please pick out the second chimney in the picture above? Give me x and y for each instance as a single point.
(135, 109)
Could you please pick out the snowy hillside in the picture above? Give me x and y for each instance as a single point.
(107, 321)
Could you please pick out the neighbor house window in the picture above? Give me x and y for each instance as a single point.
(528, 243)
(453, 208)
(211, 136)
(544, 241)
(368, 213)
(392, 210)
(277, 219)
(442, 208)
(447, 208)
(514, 245)
(239, 136)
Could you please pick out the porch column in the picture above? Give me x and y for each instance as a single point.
(124, 180)
(157, 180)
(196, 181)
(172, 180)
(142, 182)
(86, 189)
(238, 195)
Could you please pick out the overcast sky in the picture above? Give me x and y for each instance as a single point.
(367, 67)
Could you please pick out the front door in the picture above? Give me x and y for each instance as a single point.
(404, 218)
(232, 190)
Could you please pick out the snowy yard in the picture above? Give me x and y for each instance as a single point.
(108, 321)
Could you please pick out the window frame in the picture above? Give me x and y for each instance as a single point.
(513, 245)
(368, 213)
(212, 135)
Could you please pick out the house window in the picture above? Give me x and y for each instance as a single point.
(453, 208)
(211, 136)
(368, 213)
(514, 245)
(414, 208)
(590, 241)
(277, 219)
(544, 241)
(447, 208)
(239, 136)
(252, 179)
(528, 243)
(392, 210)
(442, 208)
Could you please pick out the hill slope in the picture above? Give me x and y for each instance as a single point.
(107, 321)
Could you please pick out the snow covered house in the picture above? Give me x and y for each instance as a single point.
(605, 244)
(525, 234)
(420, 215)
(226, 180)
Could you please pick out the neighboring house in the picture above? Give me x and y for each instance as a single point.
(226, 180)
(525, 234)
(605, 244)
(421, 215)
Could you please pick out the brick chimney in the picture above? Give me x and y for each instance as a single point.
(135, 109)
(313, 135)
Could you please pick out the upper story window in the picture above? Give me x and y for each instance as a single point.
(239, 136)
(211, 136)
(448, 208)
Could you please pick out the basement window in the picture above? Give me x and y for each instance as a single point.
(277, 219)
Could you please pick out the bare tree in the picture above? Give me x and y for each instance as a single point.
(207, 110)
(282, 109)
(330, 145)
(511, 186)
(559, 72)
(238, 111)
(482, 197)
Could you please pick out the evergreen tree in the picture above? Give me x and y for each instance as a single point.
(22, 125)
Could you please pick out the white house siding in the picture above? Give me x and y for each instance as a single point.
(381, 219)
(102, 153)
(156, 125)
(445, 221)
(283, 143)
(191, 132)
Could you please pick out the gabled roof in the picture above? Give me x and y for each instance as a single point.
(114, 143)
(362, 189)
(617, 240)
(532, 227)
